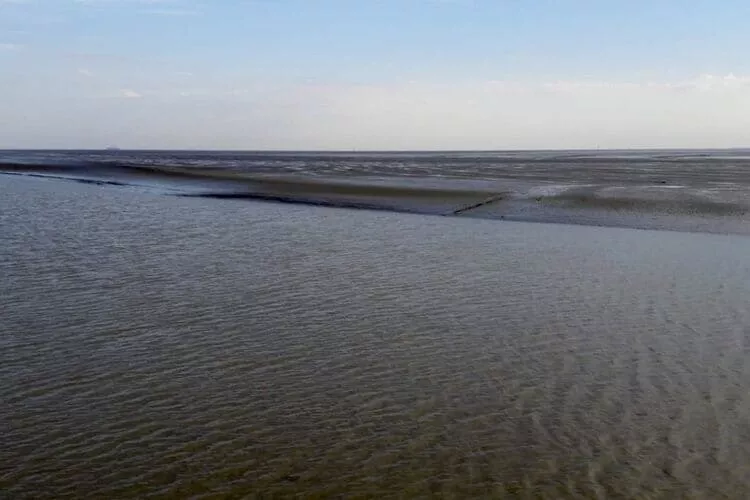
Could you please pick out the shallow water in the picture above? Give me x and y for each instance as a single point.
(165, 346)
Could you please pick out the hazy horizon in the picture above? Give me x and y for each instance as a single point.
(408, 151)
(332, 75)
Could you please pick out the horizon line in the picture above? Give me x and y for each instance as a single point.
(357, 150)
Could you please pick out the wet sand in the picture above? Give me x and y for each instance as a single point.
(172, 346)
(662, 206)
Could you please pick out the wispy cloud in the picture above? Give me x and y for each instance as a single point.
(177, 8)
(116, 2)
(171, 111)
(130, 94)
(452, 2)
(171, 12)
(704, 82)
(730, 81)
(433, 95)
(10, 46)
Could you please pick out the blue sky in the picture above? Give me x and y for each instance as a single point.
(375, 74)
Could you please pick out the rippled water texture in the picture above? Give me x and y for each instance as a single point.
(156, 346)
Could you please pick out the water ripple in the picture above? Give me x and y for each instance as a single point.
(166, 347)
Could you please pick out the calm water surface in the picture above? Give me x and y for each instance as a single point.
(156, 346)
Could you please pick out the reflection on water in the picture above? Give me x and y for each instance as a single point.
(172, 346)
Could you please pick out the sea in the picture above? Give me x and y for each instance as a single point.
(556, 324)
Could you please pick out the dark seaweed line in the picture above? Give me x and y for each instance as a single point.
(302, 201)
(489, 200)
(99, 182)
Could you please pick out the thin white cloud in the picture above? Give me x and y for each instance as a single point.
(175, 8)
(115, 2)
(705, 111)
(712, 82)
(10, 46)
(412, 93)
(172, 12)
(452, 2)
(705, 82)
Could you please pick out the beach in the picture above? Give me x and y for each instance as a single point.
(188, 346)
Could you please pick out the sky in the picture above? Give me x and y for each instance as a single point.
(374, 74)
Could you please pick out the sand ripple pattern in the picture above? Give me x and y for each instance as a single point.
(156, 347)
